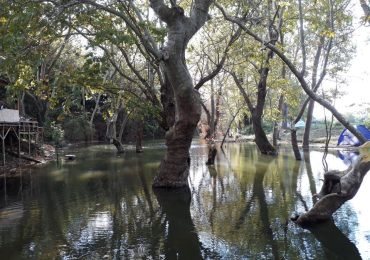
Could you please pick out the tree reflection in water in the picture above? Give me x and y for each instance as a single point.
(102, 207)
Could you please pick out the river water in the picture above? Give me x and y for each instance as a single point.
(101, 206)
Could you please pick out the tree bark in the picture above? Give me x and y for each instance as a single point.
(173, 171)
(168, 103)
(307, 128)
(338, 188)
(260, 137)
(111, 133)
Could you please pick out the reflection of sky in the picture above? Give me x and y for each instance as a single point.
(237, 210)
(358, 205)
(99, 227)
(351, 219)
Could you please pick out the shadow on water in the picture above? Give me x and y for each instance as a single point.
(102, 206)
(182, 241)
(334, 242)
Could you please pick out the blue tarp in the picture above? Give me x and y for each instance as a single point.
(347, 138)
(348, 157)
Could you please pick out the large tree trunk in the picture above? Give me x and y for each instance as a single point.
(338, 187)
(168, 103)
(174, 168)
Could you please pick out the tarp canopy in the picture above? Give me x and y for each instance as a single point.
(348, 157)
(347, 138)
(300, 123)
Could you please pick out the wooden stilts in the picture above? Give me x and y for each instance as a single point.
(3, 143)
(29, 140)
(36, 135)
(19, 142)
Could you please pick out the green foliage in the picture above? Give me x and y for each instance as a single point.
(76, 127)
(54, 134)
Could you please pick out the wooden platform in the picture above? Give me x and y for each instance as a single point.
(10, 122)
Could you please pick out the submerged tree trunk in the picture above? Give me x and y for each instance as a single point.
(338, 187)
(256, 112)
(174, 168)
(260, 137)
(111, 133)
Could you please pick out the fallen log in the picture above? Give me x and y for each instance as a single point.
(29, 158)
(338, 188)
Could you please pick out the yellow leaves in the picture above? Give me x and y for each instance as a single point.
(60, 118)
(328, 33)
(284, 4)
(44, 87)
(2, 20)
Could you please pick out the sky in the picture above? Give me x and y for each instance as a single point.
(358, 76)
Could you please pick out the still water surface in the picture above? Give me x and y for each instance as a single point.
(101, 206)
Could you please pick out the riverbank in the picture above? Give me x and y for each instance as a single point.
(12, 164)
(317, 134)
(317, 137)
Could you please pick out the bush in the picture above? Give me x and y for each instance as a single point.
(54, 134)
(76, 128)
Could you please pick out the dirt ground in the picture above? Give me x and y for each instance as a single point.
(13, 164)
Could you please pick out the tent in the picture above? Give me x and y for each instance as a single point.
(300, 123)
(348, 157)
(347, 138)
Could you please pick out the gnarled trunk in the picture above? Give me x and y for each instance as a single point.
(168, 103)
(338, 187)
(173, 171)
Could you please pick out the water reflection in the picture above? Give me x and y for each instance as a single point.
(330, 237)
(101, 206)
(181, 241)
(348, 157)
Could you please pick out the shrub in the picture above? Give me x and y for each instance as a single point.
(54, 134)
(76, 128)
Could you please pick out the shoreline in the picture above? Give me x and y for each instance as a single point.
(20, 164)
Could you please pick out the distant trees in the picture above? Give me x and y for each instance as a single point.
(154, 57)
